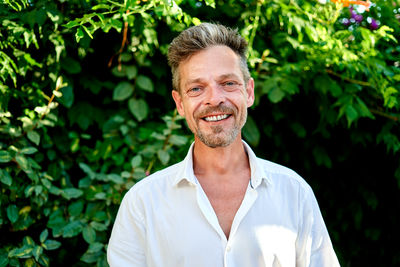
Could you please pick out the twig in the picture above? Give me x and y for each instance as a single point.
(383, 114)
(348, 79)
(121, 49)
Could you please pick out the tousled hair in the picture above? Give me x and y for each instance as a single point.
(203, 36)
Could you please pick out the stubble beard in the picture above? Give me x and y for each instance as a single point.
(217, 137)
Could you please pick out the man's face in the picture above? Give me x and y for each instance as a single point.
(213, 95)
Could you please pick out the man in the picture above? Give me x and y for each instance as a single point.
(220, 206)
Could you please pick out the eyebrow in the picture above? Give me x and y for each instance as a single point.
(221, 77)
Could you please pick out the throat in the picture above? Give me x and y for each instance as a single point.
(226, 195)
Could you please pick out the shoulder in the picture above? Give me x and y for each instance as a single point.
(281, 175)
(158, 181)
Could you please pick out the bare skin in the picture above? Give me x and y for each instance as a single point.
(224, 174)
(214, 99)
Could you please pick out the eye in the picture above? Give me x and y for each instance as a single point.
(230, 83)
(194, 91)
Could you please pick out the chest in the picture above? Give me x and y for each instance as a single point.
(184, 231)
(226, 200)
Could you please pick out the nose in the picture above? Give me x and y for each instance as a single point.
(215, 95)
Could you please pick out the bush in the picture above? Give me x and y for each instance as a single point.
(86, 112)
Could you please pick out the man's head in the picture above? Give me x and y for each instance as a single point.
(205, 35)
(213, 88)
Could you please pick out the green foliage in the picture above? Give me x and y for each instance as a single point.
(86, 112)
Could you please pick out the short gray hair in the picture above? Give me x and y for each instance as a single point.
(200, 37)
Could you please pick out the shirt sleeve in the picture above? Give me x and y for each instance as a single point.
(313, 246)
(127, 241)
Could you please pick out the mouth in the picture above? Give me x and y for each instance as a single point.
(214, 118)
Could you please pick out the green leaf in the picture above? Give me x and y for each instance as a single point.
(71, 24)
(145, 83)
(5, 156)
(163, 156)
(289, 86)
(68, 96)
(351, 114)
(89, 234)
(72, 229)
(390, 97)
(29, 262)
(100, 6)
(251, 132)
(51, 244)
(87, 31)
(98, 226)
(43, 236)
(139, 108)
(299, 129)
(71, 65)
(79, 34)
(136, 161)
(95, 247)
(276, 95)
(28, 241)
(178, 140)
(4, 260)
(24, 252)
(363, 109)
(90, 257)
(5, 177)
(29, 150)
(321, 157)
(12, 213)
(122, 91)
(131, 71)
(34, 137)
(76, 208)
(56, 220)
(335, 89)
(44, 260)
(115, 178)
(87, 170)
(119, 71)
(72, 193)
(37, 252)
(210, 3)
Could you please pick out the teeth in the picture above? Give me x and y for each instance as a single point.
(216, 118)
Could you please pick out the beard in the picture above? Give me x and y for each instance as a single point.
(220, 136)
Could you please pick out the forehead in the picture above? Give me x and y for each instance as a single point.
(210, 63)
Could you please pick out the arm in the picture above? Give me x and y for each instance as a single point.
(127, 241)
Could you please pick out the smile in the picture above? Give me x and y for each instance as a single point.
(216, 118)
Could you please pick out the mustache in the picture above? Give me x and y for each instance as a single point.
(221, 108)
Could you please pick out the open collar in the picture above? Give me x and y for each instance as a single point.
(186, 175)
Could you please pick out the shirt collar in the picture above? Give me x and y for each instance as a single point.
(186, 173)
(258, 173)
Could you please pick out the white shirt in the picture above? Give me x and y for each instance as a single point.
(166, 220)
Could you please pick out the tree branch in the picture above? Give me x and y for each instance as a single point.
(348, 79)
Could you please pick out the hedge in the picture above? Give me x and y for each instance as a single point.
(86, 111)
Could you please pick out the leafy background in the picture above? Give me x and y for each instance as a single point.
(85, 112)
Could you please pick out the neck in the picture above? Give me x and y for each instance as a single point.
(221, 160)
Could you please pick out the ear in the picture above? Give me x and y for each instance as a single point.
(178, 102)
(250, 92)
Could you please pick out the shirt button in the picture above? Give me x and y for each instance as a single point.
(228, 248)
